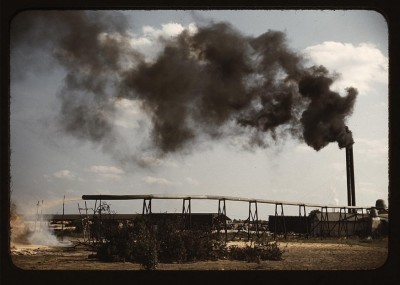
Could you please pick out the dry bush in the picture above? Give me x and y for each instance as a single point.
(256, 252)
(178, 244)
(148, 242)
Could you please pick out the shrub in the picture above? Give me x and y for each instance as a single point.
(180, 245)
(198, 245)
(135, 244)
(171, 245)
(148, 245)
(145, 247)
(256, 252)
(168, 241)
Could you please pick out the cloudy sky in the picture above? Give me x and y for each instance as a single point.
(190, 103)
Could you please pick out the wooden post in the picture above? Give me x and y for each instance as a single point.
(62, 221)
(37, 214)
(41, 217)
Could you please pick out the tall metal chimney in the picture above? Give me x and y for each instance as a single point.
(346, 140)
(351, 191)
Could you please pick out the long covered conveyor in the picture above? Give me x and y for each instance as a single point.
(346, 212)
(214, 197)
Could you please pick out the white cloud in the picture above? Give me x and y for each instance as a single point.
(359, 66)
(151, 161)
(375, 149)
(149, 43)
(137, 42)
(167, 30)
(64, 174)
(107, 171)
(192, 181)
(128, 113)
(159, 181)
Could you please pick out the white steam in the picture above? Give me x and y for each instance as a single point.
(45, 236)
(24, 231)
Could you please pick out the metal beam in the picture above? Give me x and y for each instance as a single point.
(324, 222)
(253, 218)
(303, 216)
(281, 221)
(343, 223)
(187, 213)
(146, 206)
(222, 214)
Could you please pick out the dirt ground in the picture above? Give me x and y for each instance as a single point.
(298, 255)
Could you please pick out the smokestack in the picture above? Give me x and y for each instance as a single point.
(346, 140)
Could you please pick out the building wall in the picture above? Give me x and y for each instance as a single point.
(295, 224)
(336, 229)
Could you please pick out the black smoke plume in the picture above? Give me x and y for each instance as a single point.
(199, 83)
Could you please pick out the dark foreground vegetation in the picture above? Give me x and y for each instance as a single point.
(170, 242)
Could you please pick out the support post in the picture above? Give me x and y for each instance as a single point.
(62, 220)
(253, 218)
(37, 214)
(281, 222)
(364, 225)
(355, 221)
(187, 213)
(146, 206)
(100, 221)
(94, 231)
(41, 217)
(343, 222)
(324, 223)
(222, 216)
(302, 208)
(100, 209)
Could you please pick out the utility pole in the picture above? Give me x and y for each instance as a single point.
(37, 214)
(62, 221)
(41, 217)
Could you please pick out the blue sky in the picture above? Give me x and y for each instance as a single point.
(47, 163)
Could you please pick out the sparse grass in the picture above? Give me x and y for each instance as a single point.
(375, 242)
(256, 252)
